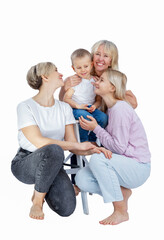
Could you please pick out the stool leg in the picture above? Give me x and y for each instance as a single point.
(83, 194)
(80, 163)
(85, 202)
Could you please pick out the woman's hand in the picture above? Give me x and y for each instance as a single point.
(96, 78)
(86, 148)
(88, 125)
(107, 153)
(71, 81)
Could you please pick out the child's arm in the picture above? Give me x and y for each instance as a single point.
(68, 99)
(97, 104)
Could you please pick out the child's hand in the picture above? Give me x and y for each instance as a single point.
(88, 125)
(92, 109)
(83, 106)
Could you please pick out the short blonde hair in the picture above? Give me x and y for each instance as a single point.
(80, 53)
(118, 80)
(110, 48)
(34, 75)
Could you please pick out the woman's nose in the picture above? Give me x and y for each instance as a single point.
(101, 57)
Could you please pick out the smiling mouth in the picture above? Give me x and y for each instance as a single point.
(100, 64)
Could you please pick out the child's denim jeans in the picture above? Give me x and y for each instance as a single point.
(101, 118)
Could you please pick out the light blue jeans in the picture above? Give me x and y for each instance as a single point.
(105, 176)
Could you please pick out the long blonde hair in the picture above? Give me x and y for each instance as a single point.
(118, 80)
(110, 48)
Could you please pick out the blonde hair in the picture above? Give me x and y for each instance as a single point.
(80, 53)
(34, 75)
(110, 48)
(118, 80)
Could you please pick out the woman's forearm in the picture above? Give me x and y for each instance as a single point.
(74, 147)
(61, 94)
(131, 98)
(117, 143)
(65, 145)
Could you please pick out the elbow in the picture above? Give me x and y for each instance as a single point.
(65, 99)
(135, 104)
(119, 149)
(122, 150)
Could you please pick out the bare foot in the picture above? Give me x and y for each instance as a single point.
(120, 213)
(116, 218)
(76, 189)
(36, 212)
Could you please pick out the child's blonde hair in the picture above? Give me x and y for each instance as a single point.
(110, 48)
(79, 53)
(34, 74)
(118, 80)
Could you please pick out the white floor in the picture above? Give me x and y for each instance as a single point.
(35, 31)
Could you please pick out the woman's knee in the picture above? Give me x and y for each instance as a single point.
(98, 161)
(95, 160)
(69, 207)
(81, 179)
(53, 153)
(78, 178)
(61, 196)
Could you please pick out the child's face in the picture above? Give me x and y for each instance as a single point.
(83, 66)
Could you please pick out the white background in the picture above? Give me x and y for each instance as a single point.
(35, 30)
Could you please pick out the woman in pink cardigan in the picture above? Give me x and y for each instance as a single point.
(129, 167)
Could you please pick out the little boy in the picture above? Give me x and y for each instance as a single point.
(82, 97)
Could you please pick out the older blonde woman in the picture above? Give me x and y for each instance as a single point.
(129, 167)
(45, 129)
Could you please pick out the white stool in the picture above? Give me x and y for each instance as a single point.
(80, 160)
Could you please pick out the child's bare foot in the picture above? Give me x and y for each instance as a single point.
(116, 218)
(36, 212)
(76, 189)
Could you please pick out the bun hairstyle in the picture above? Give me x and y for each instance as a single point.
(35, 73)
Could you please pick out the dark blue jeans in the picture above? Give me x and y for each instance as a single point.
(101, 118)
(44, 168)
